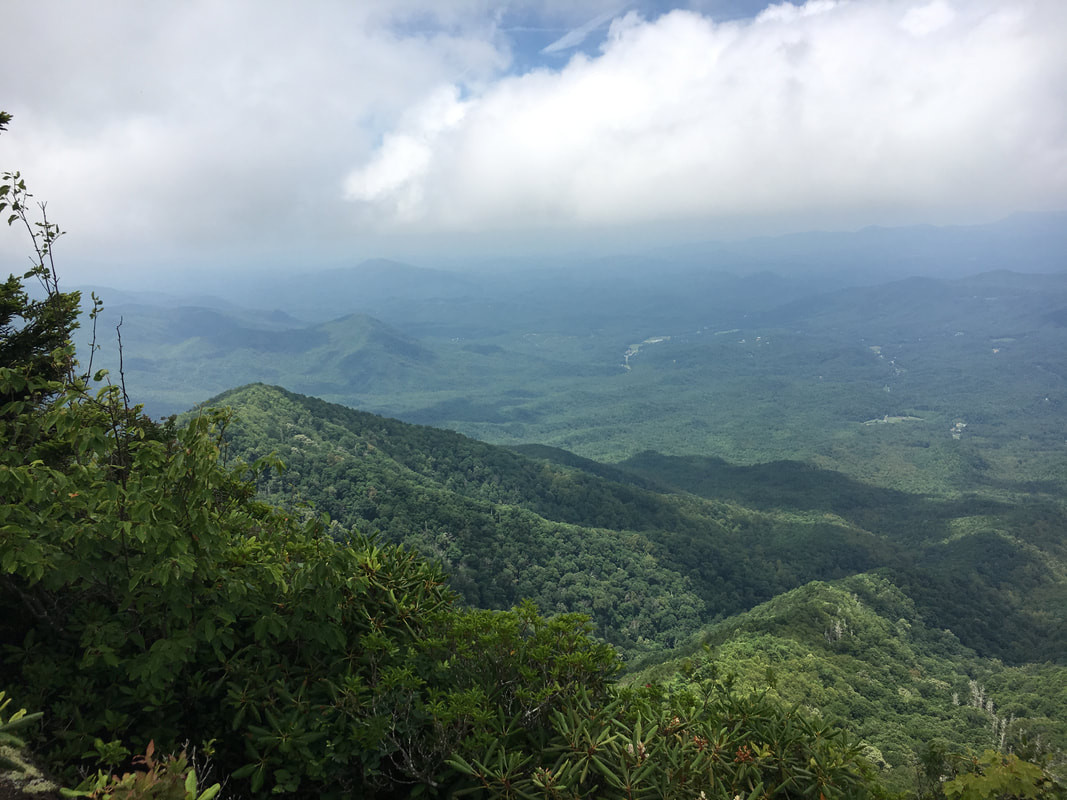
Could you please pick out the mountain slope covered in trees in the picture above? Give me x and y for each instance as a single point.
(507, 525)
(927, 594)
(860, 650)
(648, 567)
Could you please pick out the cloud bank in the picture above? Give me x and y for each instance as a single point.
(228, 131)
(861, 111)
(204, 128)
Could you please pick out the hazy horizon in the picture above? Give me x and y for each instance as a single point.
(1028, 243)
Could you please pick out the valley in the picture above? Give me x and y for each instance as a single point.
(795, 378)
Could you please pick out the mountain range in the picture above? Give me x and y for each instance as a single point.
(874, 605)
(840, 488)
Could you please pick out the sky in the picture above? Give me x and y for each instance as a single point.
(244, 135)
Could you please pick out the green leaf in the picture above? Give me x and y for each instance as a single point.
(258, 777)
(245, 771)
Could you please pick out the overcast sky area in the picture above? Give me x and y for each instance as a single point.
(262, 134)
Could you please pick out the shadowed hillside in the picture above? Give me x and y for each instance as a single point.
(637, 547)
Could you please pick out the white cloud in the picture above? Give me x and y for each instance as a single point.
(787, 12)
(923, 20)
(392, 180)
(867, 111)
(217, 129)
(215, 125)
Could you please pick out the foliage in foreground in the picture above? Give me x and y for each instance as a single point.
(9, 723)
(148, 596)
(173, 778)
(710, 741)
(994, 776)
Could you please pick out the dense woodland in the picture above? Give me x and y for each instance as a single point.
(652, 566)
(276, 595)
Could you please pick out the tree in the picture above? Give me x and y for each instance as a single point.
(34, 335)
(995, 776)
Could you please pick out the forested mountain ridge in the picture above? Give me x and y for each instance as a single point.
(647, 557)
(750, 369)
(927, 593)
(649, 568)
(989, 568)
(175, 352)
(859, 650)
